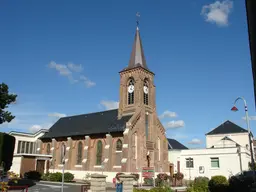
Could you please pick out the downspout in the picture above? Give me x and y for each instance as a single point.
(240, 159)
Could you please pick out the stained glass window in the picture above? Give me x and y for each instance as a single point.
(119, 145)
(79, 153)
(48, 149)
(62, 151)
(99, 153)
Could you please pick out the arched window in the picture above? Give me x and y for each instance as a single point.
(62, 151)
(79, 153)
(99, 153)
(48, 149)
(131, 92)
(145, 92)
(119, 145)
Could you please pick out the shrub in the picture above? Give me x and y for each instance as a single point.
(139, 190)
(218, 183)
(87, 176)
(68, 177)
(137, 176)
(159, 182)
(179, 176)
(162, 176)
(161, 189)
(251, 168)
(12, 175)
(148, 181)
(240, 184)
(201, 184)
(33, 175)
(46, 177)
(55, 177)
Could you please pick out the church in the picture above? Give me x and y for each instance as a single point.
(126, 139)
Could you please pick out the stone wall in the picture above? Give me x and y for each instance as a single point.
(127, 181)
(98, 183)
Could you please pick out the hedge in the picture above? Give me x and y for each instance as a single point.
(218, 183)
(57, 177)
(155, 189)
(33, 175)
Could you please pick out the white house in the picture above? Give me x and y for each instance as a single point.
(174, 151)
(226, 153)
(26, 156)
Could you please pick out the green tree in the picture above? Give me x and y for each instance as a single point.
(5, 100)
(251, 168)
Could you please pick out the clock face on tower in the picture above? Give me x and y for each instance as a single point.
(145, 88)
(130, 88)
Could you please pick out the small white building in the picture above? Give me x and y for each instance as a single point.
(174, 148)
(227, 152)
(26, 152)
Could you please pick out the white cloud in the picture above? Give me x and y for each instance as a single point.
(35, 128)
(168, 114)
(30, 117)
(108, 105)
(88, 83)
(251, 118)
(59, 115)
(62, 69)
(195, 142)
(75, 68)
(174, 124)
(178, 136)
(72, 72)
(217, 12)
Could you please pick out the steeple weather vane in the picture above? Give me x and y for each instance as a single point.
(137, 18)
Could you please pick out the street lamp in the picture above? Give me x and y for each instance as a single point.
(234, 108)
(63, 152)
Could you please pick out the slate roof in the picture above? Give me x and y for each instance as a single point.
(174, 144)
(137, 56)
(226, 128)
(88, 124)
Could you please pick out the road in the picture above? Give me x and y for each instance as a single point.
(52, 187)
(46, 187)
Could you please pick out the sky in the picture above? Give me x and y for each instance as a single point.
(63, 57)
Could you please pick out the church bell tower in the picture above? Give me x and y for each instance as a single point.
(137, 89)
(146, 135)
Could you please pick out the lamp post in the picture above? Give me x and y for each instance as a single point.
(234, 108)
(63, 148)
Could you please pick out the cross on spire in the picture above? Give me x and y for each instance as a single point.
(137, 19)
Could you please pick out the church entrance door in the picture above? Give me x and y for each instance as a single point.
(40, 166)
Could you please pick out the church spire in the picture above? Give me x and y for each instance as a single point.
(137, 56)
